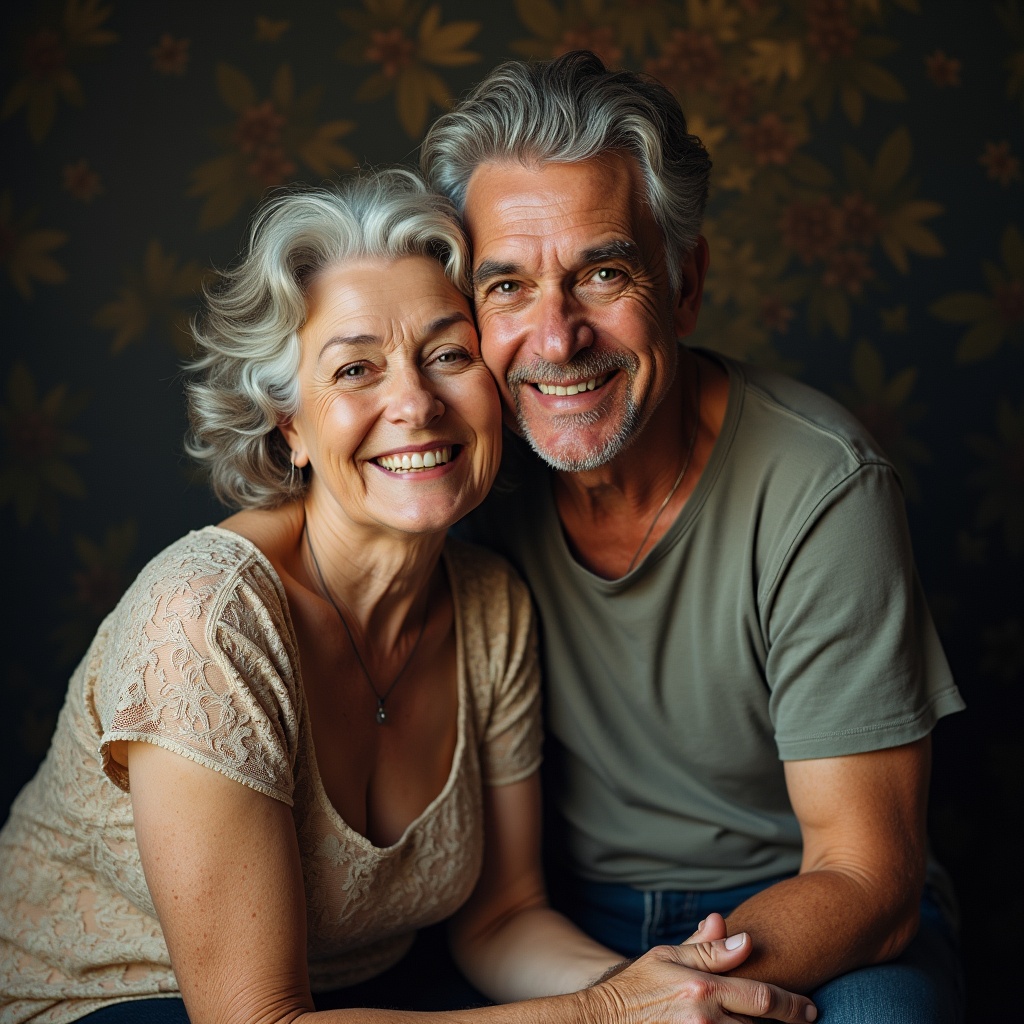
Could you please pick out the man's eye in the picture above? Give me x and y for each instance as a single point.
(507, 288)
(607, 274)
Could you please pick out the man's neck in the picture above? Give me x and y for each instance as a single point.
(614, 515)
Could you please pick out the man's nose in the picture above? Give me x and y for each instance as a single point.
(561, 329)
(412, 399)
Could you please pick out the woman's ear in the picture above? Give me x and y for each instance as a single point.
(693, 268)
(299, 456)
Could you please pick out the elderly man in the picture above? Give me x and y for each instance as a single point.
(741, 671)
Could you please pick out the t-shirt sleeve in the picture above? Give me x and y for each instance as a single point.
(198, 665)
(510, 734)
(854, 662)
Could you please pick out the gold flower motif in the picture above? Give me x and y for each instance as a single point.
(47, 61)
(885, 406)
(97, 584)
(265, 144)
(34, 470)
(26, 253)
(151, 296)
(405, 41)
(997, 316)
(1000, 477)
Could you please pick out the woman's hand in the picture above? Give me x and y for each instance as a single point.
(681, 985)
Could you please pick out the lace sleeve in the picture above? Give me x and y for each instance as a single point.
(200, 661)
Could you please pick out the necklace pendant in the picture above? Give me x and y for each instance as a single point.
(382, 715)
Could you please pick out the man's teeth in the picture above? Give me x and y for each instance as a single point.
(409, 461)
(572, 389)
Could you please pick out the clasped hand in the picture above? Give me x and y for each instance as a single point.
(683, 985)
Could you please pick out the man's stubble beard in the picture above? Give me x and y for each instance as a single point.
(582, 367)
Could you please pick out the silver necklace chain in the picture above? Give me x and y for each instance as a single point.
(382, 716)
(679, 478)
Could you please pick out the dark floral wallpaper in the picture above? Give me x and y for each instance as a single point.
(865, 230)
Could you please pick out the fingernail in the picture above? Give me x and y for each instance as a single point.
(700, 927)
(811, 1013)
(735, 941)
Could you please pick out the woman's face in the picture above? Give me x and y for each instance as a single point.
(398, 416)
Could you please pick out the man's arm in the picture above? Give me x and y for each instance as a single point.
(856, 899)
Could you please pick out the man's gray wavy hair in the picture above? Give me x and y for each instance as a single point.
(244, 376)
(573, 108)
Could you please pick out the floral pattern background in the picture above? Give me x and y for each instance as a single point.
(866, 236)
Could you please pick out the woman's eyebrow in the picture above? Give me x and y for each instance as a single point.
(442, 323)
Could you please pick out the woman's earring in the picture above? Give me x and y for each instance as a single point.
(293, 471)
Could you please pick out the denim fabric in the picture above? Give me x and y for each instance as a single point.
(922, 986)
(140, 1011)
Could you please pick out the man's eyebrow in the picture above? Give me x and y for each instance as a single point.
(494, 268)
(617, 249)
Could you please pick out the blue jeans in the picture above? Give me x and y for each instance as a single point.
(922, 986)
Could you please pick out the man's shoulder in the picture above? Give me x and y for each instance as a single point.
(807, 425)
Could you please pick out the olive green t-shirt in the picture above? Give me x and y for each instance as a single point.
(779, 618)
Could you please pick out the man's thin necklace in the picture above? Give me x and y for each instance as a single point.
(679, 478)
(382, 716)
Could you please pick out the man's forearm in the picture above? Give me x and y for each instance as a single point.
(820, 924)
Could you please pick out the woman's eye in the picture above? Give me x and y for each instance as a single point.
(452, 357)
(351, 372)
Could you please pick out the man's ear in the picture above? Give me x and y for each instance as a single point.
(693, 268)
(299, 456)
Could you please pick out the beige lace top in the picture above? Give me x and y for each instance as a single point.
(200, 657)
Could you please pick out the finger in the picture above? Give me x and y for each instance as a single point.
(715, 956)
(758, 999)
(710, 929)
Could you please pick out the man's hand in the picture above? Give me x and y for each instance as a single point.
(681, 985)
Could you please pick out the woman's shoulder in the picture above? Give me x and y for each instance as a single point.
(478, 571)
(206, 569)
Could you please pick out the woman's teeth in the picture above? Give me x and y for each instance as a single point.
(573, 389)
(407, 462)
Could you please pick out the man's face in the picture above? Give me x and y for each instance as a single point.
(576, 313)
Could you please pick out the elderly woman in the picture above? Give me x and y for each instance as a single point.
(311, 730)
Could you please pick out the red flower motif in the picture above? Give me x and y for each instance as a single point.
(690, 60)
(770, 140)
(861, 221)
(942, 70)
(775, 315)
(598, 40)
(1010, 302)
(812, 229)
(847, 269)
(999, 162)
(829, 30)
(392, 50)
(82, 181)
(45, 57)
(170, 55)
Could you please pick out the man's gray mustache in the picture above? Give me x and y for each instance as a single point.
(583, 366)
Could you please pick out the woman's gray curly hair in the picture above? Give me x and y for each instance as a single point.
(244, 377)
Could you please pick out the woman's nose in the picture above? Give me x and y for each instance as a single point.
(412, 400)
